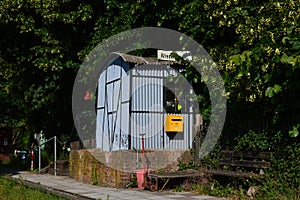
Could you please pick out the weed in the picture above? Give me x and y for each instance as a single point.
(133, 182)
(179, 188)
(94, 175)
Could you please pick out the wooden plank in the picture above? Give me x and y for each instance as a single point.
(233, 173)
(244, 154)
(245, 163)
(242, 159)
(163, 187)
(177, 174)
(171, 175)
(153, 175)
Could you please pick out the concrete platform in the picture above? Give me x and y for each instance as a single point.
(71, 189)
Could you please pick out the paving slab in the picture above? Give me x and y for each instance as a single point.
(72, 189)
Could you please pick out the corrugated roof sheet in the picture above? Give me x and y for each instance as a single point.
(144, 60)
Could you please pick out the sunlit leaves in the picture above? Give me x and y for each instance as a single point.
(83, 13)
(271, 91)
(295, 131)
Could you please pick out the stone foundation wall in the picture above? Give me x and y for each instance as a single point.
(116, 168)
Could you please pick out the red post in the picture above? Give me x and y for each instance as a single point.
(32, 159)
(143, 151)
(145, 183)
(143, 145)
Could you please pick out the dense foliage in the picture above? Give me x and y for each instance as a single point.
(40, 42)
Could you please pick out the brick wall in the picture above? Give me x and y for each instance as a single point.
(115, 169)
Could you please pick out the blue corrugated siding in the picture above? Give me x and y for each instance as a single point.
(116, 123)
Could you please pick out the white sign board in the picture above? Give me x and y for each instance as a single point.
(166, 55)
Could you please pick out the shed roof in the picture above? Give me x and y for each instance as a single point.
(144, 60)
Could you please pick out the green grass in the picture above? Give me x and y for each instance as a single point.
(11, 190)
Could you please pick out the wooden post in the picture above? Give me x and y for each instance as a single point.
(39, 158)
(198, 138)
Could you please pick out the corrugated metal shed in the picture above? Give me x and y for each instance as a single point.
(131, 102)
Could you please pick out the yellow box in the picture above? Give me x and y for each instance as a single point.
(174, 123)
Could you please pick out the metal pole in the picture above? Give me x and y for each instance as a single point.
(54, 155)
(39, 158)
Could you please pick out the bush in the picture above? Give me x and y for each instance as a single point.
(257, 142)
(282, 179)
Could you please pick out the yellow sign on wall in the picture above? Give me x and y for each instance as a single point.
(174, 123)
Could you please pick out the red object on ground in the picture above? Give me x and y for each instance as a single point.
(140, 177)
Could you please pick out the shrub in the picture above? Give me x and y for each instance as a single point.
(282, 179)
(255, 142)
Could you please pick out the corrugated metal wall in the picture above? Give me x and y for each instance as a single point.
(121, 120)
(147, 110)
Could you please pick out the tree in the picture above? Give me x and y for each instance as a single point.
(256, 45)
(39, 43)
